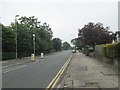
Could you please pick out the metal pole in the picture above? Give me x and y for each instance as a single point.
(34, 44)
(16, 33)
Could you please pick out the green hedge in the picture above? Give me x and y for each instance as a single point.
(87, 50)
(8, 55)
(104, 51)
(111, 50)
(25, 54)
(11, 55)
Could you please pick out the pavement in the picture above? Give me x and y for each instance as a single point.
(30, 74)
(88, 72)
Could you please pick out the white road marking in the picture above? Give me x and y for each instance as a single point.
(4, 66)
(14, 69)
(3, 61)
(20, 63)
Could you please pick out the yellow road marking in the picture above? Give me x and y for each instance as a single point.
(59, 75)
(56, 78)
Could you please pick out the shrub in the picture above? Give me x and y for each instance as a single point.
(25, 54)
(12, 55)
(91, 49)
(87, 50)
(8, 55)
(104, 51)
(117, 49)
(111, 50)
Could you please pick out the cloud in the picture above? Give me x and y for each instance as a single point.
(64, 17)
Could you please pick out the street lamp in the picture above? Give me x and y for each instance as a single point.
(16, 32)
(34, 44)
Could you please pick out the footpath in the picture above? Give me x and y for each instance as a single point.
(88, 72)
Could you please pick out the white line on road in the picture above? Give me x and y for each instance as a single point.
(4, 66)
(20, 63)
(14, 69)
(3, 61)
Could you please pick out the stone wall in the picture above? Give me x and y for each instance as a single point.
(98, 53)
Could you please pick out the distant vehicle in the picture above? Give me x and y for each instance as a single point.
(74, 51)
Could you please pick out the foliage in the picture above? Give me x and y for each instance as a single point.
(73, 41)
(94, 34)
(87, 50)
(104, 50)
(26, 26)
(8, 55)
(8, 39)
(56, 43)
(66, 46)
(78, 43)
(112, 50)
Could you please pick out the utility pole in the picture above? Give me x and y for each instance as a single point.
(34, 44)
(16, 33)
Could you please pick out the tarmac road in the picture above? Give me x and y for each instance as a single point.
(33, 74)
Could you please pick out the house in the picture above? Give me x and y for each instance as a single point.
(118, 36)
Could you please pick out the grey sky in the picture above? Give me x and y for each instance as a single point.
(64, 17)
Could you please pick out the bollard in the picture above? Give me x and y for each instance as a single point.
(32, 57)
(42, 56)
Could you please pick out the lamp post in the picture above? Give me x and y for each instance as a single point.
(34, 44)
(16, 33)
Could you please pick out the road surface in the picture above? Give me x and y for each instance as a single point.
(33, 74)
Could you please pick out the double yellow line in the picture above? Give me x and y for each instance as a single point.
(53, 83)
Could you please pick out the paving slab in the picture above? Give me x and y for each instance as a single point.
(88, 72)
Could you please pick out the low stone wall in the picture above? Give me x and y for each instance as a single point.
(98, 53)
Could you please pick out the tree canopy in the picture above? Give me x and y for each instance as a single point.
(56, 42)
(93, 34)
(66, 46)
(26, 27)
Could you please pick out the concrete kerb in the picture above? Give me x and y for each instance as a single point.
(65, 75)
(62, 75)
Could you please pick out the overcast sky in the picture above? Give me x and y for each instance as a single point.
(64, 17)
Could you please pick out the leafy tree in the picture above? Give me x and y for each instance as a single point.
(8, 42)
(26, 26)
(66, 46)
(92, 34)
(56, 43)
(8, 39)
(24, 40)
(73, 41)
(78, 43)
(43, 33)
(44, 38)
